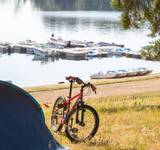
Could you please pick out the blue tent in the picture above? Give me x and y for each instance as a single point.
(22, 124)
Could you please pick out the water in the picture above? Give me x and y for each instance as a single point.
(26, 21)
(25, 72)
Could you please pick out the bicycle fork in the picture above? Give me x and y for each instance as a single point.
(80, 114)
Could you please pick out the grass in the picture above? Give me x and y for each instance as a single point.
(126, 123)
(96, 82)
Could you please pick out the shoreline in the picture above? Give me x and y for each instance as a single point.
(121, 87)
(97, 82)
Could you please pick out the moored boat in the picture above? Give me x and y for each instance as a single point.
(39, 52)
(98, 75)
(122, 73)
(92, 53)
(57, 44)
(119, 51)
(132, 72)
(143, 71)
(28, 49)
(107, 75)
(96, 53)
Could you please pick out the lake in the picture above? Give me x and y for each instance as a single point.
(25, 21)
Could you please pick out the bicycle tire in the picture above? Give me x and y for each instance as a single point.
(93, 131)
(54, 125)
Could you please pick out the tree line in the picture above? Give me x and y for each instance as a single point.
(55, 5)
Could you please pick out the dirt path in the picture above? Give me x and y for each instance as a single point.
(105, 90)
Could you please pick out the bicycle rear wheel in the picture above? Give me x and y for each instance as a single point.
(82, 124)
(57, 114)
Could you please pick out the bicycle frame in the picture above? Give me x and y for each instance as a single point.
(78, 96)
(67, 103)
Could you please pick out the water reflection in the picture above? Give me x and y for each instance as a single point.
(80, 19)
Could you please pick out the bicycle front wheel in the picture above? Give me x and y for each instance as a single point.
(57, 114)
(82, 124)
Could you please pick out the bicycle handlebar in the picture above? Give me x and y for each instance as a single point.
(80, 81)
(75, 79)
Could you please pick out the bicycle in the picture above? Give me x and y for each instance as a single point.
(81, 120)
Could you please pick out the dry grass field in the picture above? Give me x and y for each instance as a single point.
(130, 122)
(129, 111)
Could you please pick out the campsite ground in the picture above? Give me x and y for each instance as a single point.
(129, 111)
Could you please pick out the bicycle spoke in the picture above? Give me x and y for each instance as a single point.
(57, 115)
(79, 131)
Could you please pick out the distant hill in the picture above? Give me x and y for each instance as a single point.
(55, 5)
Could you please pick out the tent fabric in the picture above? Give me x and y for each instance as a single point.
(22, 122)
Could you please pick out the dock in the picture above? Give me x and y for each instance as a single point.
(78, 53)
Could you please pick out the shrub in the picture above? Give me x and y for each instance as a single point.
(151, 51)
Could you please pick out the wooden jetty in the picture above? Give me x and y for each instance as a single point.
(3, 49)
(133, 55)
(68, 52)
(78, 53)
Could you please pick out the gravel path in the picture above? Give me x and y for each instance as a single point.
(126, 88)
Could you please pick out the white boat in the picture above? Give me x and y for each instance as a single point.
(98, 75)
(39, 52)
(101, 75)
(122, 73)
(143, 71)
(90, 44)
(127, 50)
(57, 44)
(132, 72)
(27, 42)
(111, 74)
(119, 51)
(92, 53)
(27, 49)
(76, 43)
(96, 53)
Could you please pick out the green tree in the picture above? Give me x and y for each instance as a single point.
(137, 12)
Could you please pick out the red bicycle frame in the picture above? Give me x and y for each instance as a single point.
(78, 96)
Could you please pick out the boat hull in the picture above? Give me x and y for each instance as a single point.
(121, 75)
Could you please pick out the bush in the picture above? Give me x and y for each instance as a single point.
(151, 51)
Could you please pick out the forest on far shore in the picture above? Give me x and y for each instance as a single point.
(56, 5)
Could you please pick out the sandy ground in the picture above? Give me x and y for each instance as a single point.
(126, 88)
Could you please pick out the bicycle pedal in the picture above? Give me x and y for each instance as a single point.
(74, 130)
